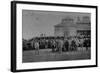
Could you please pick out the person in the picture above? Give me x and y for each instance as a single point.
(36, 44)
(73, 45)
(80, 43)
(87, 43)
(60, 45)
(66, 45)
(53, 46)
(33, 45)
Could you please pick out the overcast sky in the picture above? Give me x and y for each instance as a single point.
(36, 22)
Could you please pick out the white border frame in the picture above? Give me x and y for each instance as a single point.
(35, 65)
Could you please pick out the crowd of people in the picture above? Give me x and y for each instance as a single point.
(59, 44)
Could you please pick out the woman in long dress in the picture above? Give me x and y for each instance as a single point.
(60, 45)
(36, 44)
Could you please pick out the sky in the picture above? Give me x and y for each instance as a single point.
(35, 22)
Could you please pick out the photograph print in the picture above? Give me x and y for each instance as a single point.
(55, 36)
(47, 36)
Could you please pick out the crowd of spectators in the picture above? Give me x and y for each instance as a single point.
(58, 44)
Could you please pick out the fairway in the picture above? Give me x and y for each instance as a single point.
(47, 55)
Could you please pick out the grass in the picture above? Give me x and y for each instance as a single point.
(47, 55)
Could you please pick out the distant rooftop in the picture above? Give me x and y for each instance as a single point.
(71, 20)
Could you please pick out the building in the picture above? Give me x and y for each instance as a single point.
(73, 26)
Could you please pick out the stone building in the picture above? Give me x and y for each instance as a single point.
(73, 26)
